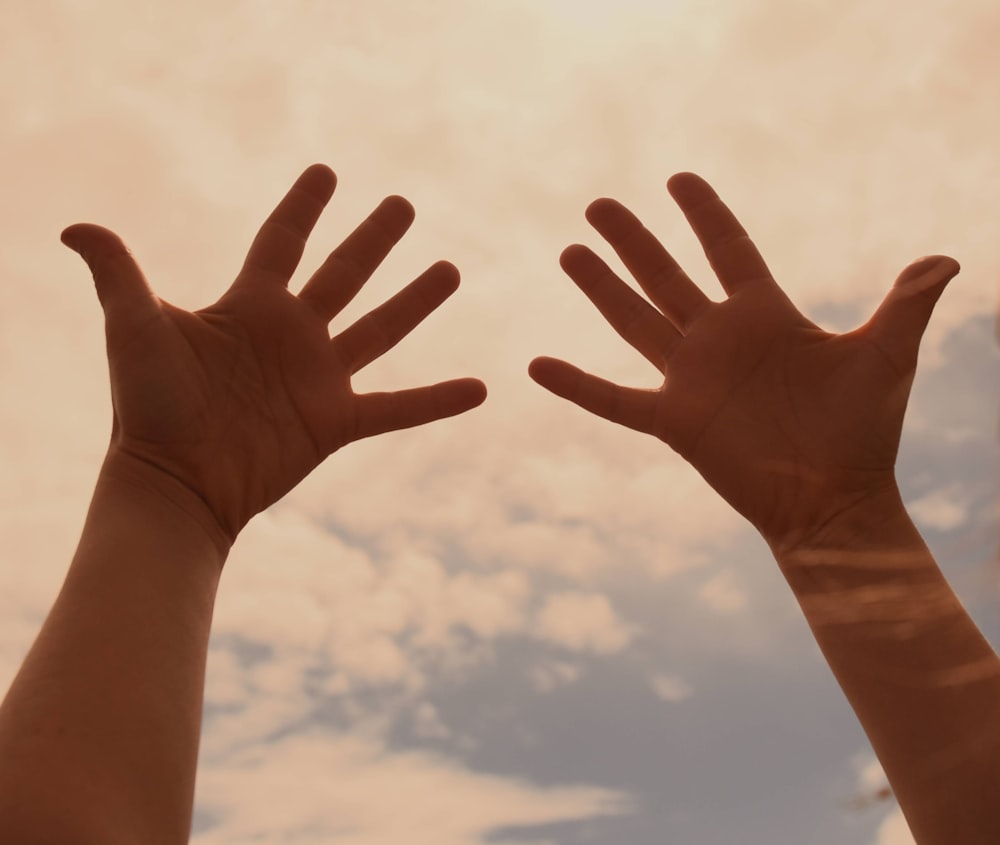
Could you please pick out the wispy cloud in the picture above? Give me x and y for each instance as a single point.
(849, 140)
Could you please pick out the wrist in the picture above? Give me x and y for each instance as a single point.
(181, 507)
(867, 564)
(861, 521)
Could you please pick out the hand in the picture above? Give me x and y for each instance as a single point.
(242, 399)
(791, 424)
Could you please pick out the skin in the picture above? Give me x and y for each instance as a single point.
(789, 423)
(241, 400)
(798, 429)
(217, 413)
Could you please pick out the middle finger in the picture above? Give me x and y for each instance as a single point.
(351, 264)
(659, 275)
(380, 330)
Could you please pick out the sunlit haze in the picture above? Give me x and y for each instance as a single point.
(524, 624)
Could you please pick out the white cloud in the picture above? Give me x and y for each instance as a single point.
(815, 143)
(871, 775)
(582, 622)
(942, 510)
(427, 722)
(872, 786)
(373, 660)
(722, 594)
(313, 787)
(893, 830)
(671, 687)
(553, 674)
(254, 720)
(314, 600)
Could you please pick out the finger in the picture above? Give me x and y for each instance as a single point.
(278, 246)
(641, 325)
(898, 324)
(626, 406)
(380, 330)
(351, 264)
(659, 275)
(122, 289)
(732, 254)
(378, 413)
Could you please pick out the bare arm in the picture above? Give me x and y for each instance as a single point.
(922, 679)
(218, 413)
(99, 731)
(798, 429)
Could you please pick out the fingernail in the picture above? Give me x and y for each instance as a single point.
(931, 271)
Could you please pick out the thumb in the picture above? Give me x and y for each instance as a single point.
(121, 286)
(899, 322)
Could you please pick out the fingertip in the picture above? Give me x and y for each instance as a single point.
(555, 375)
(321, 177)
(400, 207)
(542, 368)
(70, 236)
(477, 391)
(437, 283)
(533, 366)
(596, 206)
(93, 243)
(603, 207)
(944, 264)
(464, 395)
(572, 255)
(447, 271)
(683, 176)
(687, 185)
(930, 269)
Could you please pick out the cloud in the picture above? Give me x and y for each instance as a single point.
(315, 787)
(317, 601)
(870, 774)
(671, 688)
(893, 830)
(405, 559)
(722, 594)
(941, 510)
(427, 722)
(553, 674)
(872, 785)
(582, 622)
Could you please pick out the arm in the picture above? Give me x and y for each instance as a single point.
(922, 679)
(217, 414)
(798, 429)
(99, 731)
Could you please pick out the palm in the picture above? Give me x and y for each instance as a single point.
(789, 423)
(241, 400)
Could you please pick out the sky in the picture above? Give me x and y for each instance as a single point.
(525, 624)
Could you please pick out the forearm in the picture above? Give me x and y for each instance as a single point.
(920, 676)
(99, 731)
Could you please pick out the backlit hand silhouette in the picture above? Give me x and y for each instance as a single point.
(242, 399)
(791, 424)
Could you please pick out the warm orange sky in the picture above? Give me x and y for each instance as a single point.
(406, 622)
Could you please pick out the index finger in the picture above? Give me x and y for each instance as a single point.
(281, 240)
(728, 247)
(658, 274)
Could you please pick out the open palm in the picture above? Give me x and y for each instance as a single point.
(791, 424)
(242, 399)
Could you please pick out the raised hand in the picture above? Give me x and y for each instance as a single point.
(791, 424)
(242, 399)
